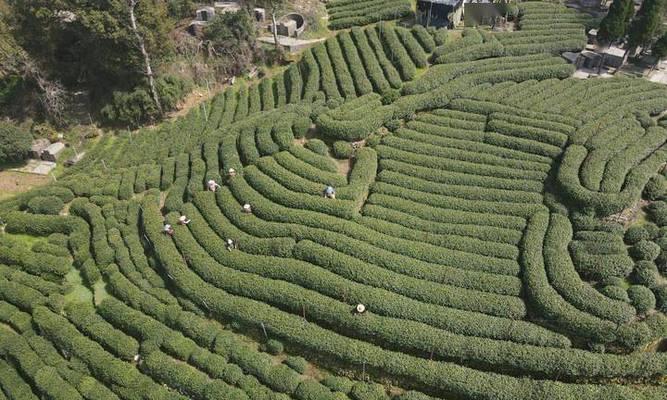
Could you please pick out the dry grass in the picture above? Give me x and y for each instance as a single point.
(13, 183)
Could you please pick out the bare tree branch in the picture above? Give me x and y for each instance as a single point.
(147, 60)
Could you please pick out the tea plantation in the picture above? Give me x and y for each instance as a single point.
(475, 225)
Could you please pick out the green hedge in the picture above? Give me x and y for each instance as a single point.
(566, 281)
(390, 72)
(314, 159)
(344, 14)
(413, 47)
(370, 61)
(424, 38)
(317, 146)
(294, 84)
(396, 52)
(254, 100)
(340, 68)
(364, 251)
(361, 81)
(266, 93)
(490, 49)
(311, 76)
(50, 205)
(188, 380)
(292, 329)
(355, 120)
(329, 85)
(342, 150)
(85, 318)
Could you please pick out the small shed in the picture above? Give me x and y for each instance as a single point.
(205, 14)
(439, 13)
(37, 148)
(260, 14)
(51, 152)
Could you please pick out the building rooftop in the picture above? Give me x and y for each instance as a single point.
(446, 2)
(615, 51)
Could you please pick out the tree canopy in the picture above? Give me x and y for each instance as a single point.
(659, 48)
(14, 143)
(232, 36)
(645, 25)
(614, 25)
(91, 42)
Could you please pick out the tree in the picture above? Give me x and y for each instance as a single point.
(15, 63)
(93, 43)
(615, 24)
(14, 143)
(132, 4)
(645, 25)
(181, 8)
(231, 36)
(659, 49)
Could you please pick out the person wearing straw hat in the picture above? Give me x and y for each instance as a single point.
(330, 192)
(360, 309)
(183, 220)
(212, 185)
(168, 230)
(247, 208)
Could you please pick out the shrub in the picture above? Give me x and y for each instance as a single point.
(344, 14)
(652, 229)
(390, 96)
(356, 67)
(424, 37)
(342, 149)
(340, 67)
(439, 36)
(645, 250)
(338, 383)
(655, 188)
(615, 293)
(299, 364)
(399, 55)
(274, 347)
(374, 140)
(317, 146)
(646, 274)
(641, 298)
(658, 212)
(312, 390)
(368, 391)
(636, 234)
(301, 126)
(14, 143)
(393, 125)
(136, 107)
(50, 205)
(661, 297)
(370, 61)
(412, 395)
(356, 119)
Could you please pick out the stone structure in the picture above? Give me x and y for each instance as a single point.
(51, 152)
(37, 148)
(440, 13)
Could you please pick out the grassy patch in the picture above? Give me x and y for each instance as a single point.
(100, 292)
(80, 293)
(23, 240)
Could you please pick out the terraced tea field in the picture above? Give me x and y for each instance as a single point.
(474, 225)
